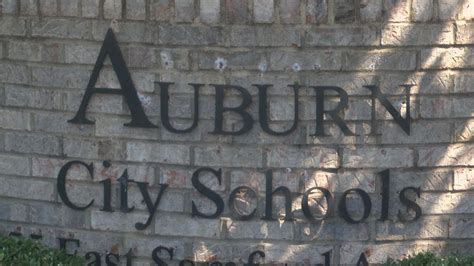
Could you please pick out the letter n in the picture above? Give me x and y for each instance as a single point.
(111, 48)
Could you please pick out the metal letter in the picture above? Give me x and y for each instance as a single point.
(61, 184)
(110, 47)
(365, 199)
(233, 208)
(164, 103)
(220, 109)
(263, 110)
(269, 198)
(305, 206)
(209, 193)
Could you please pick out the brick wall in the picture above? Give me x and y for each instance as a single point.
(48, 49)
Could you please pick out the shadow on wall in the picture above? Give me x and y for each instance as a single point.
(441, 152)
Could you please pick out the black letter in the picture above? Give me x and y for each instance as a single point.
(220, 109)
(233, 208)
(362, 260)
(108, 261)
(96, 261)
(110, 47)
(149, 204)
(61, 185)
(63, 243)
(164, 99)
(343, 99)
(123, 180)
(269, 198)
(129, 256)
(410, 204)
(252, 259)
(404, 123)
(305, 206)
(385, 175)
(262, 110)
(208, 193)
(157, 259)
(365, 199)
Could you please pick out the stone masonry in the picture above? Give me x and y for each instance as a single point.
(48, 49)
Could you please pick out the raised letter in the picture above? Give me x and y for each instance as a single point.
(343, 99)
(365, 199)
(263, 109)
(110, 47)
(410, 204)
(385, 175)
(233, 208)
(157, 259)
(269, 198)
(164, 99)
(305, 205)
(404, 123)
(213, 196)
(61, 185)
(152, 207)
(220, 109)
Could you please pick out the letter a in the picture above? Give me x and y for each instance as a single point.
(110, 47)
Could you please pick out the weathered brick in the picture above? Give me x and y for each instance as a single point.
(448, 9)
(445, 58)
(184, 10)
(209, 11)
(464, 131)
(17, 120)
(380, 60)
(422, 10)
(377, 157)
(109, 127)
(190, 35)
(57, 123)
(316, 11)
(28, 7)
(10, 6)
(263, 11)
(341, 181)
(48, 7)
(446, 155)
(398, 10)
(370, 10)
(427, 180)
(232, 61)
(28, 51)
(296, 61)
(332, 230)
(417, 34)
(461, 228)
(165, 225)
(81, 148)
(68, 77)
(422, 83)
(379, 253)
(438, 107)
(12, 26)
(289, 11)
(25, 143)
(27, 189)
(144, 246)
(295, 254)
(136, 9)
(264, 36)
(222, 156)
(81, 54)
(236, 11)
(260, 230)
(54, 215)
(13, 211)
(162, 153)
(160, 10)
(467, 10)
(32, 97)
(463, 179)
(69, 8)
(14, 165)
(344, 11)
(463, 83)
(90, 8)
(130, 32)
(112, 9)
(341, 36)
(285, 156)
(169, 59)
(445, 203)
(420, 132)
(117, 221)
(425, 228)
(61, 28)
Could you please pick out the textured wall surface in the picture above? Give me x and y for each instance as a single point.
(48, 49)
